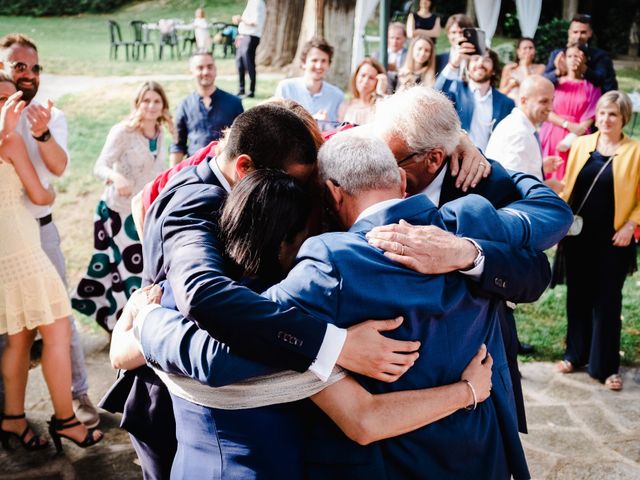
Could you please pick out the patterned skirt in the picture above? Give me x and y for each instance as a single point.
(114, 271)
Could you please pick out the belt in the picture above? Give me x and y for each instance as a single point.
(46, 220)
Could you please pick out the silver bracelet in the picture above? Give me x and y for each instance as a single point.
(473, 393)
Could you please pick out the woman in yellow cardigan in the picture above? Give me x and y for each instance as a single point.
(600, 257)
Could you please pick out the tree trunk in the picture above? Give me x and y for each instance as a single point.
(338, 17)
(282, 29)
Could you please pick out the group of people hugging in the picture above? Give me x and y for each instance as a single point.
(308, 291)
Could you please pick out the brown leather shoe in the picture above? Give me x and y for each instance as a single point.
(85, 411)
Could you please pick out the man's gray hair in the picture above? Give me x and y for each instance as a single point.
(358, 162)
(422, 117)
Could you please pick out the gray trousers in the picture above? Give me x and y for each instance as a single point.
(50, 240)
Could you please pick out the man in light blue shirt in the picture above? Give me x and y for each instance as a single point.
(320, 98)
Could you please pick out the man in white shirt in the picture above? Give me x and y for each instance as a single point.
(44, 131)
(318, 97)
(250, 27)
(514, 142)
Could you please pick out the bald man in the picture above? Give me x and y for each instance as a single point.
(514, 142)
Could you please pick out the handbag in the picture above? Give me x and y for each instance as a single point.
(576, 225)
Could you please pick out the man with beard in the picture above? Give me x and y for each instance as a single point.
(600, 69)
(203, 115)
(44, 131)
(479, 104)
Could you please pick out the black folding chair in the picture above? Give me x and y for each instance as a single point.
(117, 42)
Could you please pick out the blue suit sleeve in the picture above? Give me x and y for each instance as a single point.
(600, 71)
(313, 285)
(176, 345)
(250, 324)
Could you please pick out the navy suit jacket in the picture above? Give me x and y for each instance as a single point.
(600, 69)
(341, 279)
(181, 246)
(462, 97)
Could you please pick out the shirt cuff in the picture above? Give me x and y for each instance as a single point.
(138, 322)
(329, 352)
(477, 270)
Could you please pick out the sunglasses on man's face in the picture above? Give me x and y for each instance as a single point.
(21, 67)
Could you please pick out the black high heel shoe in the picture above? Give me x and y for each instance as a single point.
(34, 443)
(56, 425)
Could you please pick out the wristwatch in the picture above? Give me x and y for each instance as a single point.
(44, 137)
(565, 124)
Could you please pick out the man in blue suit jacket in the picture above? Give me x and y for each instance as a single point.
(600, 69)
(479, 104)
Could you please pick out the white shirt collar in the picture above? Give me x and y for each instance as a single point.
(475, 88)
(213, 164)
(432, 191)
(376, 207)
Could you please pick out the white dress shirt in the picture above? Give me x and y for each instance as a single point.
(255, 13)
(513, 143)
(482, 118)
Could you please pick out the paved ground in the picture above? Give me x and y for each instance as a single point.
(578, 429)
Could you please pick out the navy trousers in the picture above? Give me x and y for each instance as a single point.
(246, 61)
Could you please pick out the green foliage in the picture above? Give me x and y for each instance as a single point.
(613, 34)
(38, 8)
(510, 25)
(550, 36)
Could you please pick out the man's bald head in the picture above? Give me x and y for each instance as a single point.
(536, 98)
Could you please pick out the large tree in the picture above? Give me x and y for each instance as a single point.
(290, 23)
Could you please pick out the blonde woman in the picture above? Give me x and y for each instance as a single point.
(420, 66)
(32, 296)
(132, 156)
(602, 179)
(364, 81)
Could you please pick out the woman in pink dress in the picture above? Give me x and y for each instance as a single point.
(573, 109)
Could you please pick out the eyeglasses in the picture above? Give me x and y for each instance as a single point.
(21, 67)
(408, 157)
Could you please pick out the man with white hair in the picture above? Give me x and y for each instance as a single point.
(421, 128)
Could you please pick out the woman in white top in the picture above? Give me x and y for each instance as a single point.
(132, 156)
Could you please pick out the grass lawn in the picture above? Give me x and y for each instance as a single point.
(80, 45)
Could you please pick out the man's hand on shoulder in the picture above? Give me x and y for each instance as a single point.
(367, 352)
(468, 164)
(425, 249)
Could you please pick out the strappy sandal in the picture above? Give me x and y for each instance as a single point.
(564, 366)
(56, 425)
(614, 382)
(36, 442)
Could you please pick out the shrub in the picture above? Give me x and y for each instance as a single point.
(549, 37)
(41, 8)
